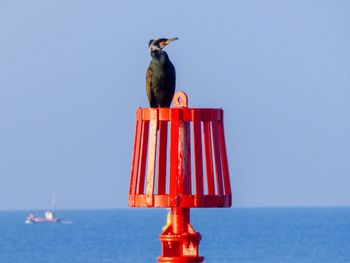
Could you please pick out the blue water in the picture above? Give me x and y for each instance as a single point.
(228, 235)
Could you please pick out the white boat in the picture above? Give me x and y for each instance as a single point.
(49, 216)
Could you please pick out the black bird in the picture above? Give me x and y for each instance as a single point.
(160, 75)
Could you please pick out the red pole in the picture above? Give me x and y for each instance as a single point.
(181, 244)
(180, 217)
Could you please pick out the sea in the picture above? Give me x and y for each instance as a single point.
(132, 235)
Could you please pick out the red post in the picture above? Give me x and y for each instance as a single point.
(179, 241)
(170, 184)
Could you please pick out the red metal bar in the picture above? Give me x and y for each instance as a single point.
(197, 145)
(216, 144)
(174, 143)
(135, 161)
(185, 201)
(152, 148)
(208, 158)
(186, 114)
(162, 150)
(226, 175)
(144, 144)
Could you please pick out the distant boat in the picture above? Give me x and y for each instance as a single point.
(49, 216)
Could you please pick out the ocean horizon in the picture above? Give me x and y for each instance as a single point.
(239, 234)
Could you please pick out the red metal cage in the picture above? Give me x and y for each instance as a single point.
(156, 180)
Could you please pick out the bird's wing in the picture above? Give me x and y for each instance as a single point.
(149, 74)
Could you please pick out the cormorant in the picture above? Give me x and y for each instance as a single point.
(160, 75)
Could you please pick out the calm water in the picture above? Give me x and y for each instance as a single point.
(131, 235)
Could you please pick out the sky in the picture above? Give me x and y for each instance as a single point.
(72, 74)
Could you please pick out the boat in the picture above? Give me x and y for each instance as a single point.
(49, 216)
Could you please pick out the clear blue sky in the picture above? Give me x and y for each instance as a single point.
(72, 74)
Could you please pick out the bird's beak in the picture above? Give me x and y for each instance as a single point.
(166, 42)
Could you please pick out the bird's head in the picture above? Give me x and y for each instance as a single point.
(156, 45)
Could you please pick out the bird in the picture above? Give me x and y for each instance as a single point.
(160, 74)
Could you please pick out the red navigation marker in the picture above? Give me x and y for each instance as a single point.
(179, 161)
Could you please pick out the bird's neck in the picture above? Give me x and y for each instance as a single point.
(161, 56)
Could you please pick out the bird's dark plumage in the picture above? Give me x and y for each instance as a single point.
(160, 75)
